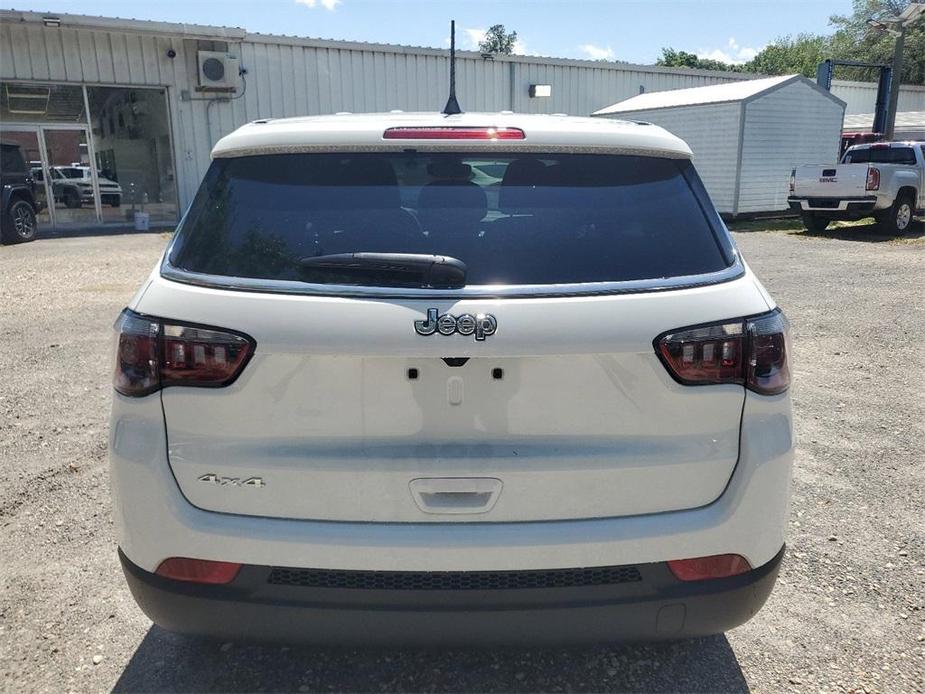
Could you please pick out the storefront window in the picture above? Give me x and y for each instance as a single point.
(131, 136)
(108, 166)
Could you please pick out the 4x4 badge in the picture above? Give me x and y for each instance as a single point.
(212, 478)
(481, 325)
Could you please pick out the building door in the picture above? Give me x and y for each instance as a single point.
(64, 184)
(70, 177)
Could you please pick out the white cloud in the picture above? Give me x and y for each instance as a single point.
(326, 4)
(472, 38)
(597, 52)
(733, 53)
(469, 40)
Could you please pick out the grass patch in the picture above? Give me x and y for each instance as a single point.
(783, 224)
(862, 230)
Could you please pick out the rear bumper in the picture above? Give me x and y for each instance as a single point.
(833, 206)
(653, 605)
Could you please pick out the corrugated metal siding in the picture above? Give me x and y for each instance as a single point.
(29, 52)
(784, 128)
(712, 131)
(861, 97)
(290, 77)
(580, 90)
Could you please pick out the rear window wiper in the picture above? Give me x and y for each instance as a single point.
(414, 270)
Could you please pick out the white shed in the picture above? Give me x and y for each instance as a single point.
(746, 136)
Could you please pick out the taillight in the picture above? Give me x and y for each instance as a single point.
(198, 570)
(873, 178)
(453, 133)
(749, 351)
(793, 179)
(704, 568)
(152, 353)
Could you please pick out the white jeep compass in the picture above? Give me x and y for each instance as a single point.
(373, 395)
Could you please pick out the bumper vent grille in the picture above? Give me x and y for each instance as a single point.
(454, 580)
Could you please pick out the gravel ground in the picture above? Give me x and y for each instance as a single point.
(848, 612)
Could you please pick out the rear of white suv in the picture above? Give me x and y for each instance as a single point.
(372, 396)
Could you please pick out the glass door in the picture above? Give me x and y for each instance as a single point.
(73, 190)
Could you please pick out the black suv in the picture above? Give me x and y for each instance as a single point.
(17, 222)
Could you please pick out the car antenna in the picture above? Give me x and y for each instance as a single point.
(452, 105)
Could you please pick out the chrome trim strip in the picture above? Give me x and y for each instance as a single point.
(484, 291)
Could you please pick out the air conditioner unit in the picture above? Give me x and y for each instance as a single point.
(218, 70)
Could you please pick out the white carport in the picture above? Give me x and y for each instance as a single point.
(746, 136)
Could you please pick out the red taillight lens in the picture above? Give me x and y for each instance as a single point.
(873, 178)
(454, 133)
(707, 354)
(750, 351)
(768, 369)
(704, 568)
(136, 355)
(153, 354)
(198, 570)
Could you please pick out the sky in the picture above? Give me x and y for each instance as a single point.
(630, 30)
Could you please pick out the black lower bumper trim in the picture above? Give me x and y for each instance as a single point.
(829, 207)
(656, 607)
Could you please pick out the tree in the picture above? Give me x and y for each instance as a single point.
(673, 58)
(497, 40)
(853, 39)
(787, 55)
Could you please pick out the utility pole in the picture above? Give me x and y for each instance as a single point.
(896, 82)
(896, 26)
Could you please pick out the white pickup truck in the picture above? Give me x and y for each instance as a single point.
(883, 180)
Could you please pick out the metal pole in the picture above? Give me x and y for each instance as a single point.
(895, 83)
(452, 105)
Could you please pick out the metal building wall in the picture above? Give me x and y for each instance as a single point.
(861, 97)
(292, 76)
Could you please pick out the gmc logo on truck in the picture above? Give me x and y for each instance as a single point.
(828, 179)
(481, 325)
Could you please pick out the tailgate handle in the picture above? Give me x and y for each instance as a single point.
(455, 494)
(829, 172)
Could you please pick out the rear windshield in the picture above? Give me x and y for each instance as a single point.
(881, 155)
(511, 219)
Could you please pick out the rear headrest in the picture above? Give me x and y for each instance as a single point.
(449, 170)
(375, 176)
(518, 187)
(453, 202)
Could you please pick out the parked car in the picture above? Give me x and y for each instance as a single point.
(17, 214)
(883, 180)
(355, 408)
(81, 176)
(65, 192)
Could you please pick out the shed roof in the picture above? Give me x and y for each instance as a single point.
(712, 94)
